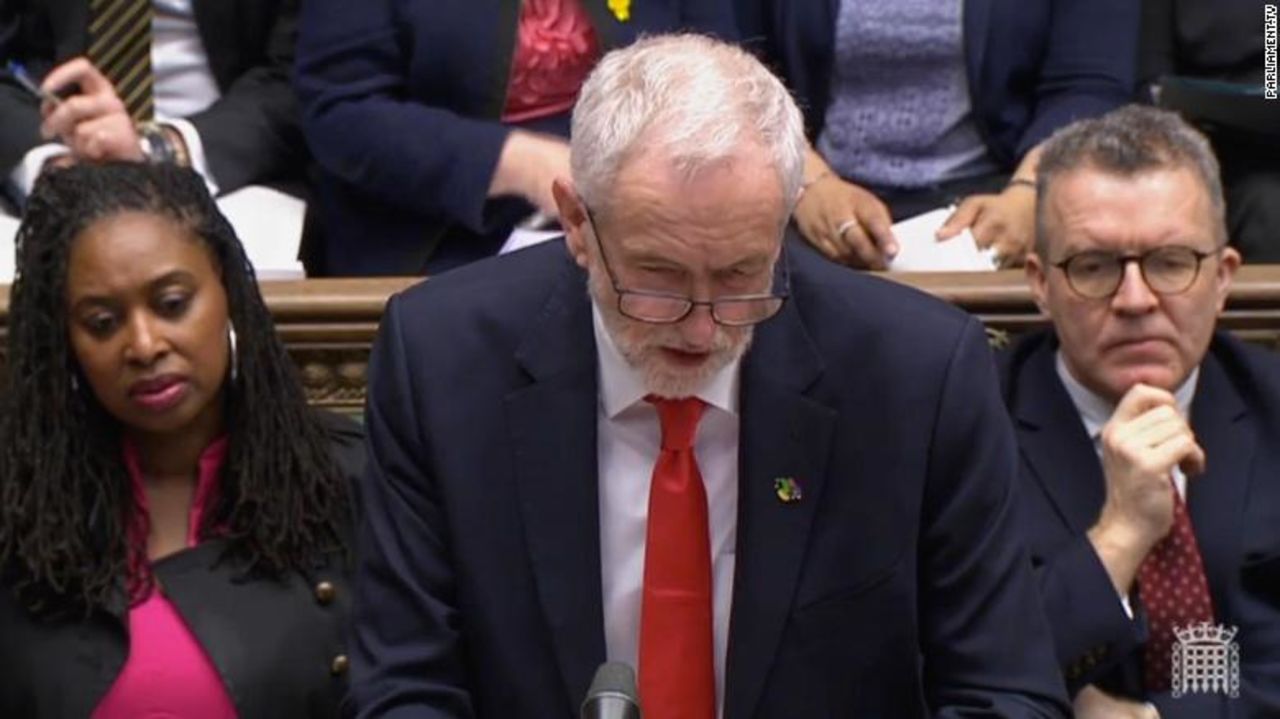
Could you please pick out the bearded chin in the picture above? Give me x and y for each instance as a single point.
(641, 346)
(663, 380)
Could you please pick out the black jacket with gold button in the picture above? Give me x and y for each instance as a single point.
(279, 646)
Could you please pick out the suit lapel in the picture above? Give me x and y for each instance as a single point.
(508, 19)
(217, 22)
(784, 434)
(977, 23)
(1053, 442)
(1216, 499)
(552, 426)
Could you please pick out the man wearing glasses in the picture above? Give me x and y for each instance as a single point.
(776, 488)
(1149, 477)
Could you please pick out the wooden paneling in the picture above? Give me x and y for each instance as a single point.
(329, 325)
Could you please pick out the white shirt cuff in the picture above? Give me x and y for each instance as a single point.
(195, 151)
(26, 173)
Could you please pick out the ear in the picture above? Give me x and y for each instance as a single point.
(1227, 266)
(573, 218)
(1037, 273)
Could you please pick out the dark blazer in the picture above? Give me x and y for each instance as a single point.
(401, 102)
(896, 587)
(250, 135)
(1032, 65)
(1234, 507)
(1219, 40)
(279, 646)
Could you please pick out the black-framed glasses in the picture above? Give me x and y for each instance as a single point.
(1167, 270)
(664, 308)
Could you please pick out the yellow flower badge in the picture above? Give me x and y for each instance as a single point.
(621, 9)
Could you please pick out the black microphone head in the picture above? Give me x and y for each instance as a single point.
(612, 694)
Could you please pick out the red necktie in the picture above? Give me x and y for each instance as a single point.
(1175, 592)
(677, 668)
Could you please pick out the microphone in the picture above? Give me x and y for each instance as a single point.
(612, 694)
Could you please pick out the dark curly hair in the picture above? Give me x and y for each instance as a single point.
(65, 495)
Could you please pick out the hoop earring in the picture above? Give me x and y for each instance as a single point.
(231, 343)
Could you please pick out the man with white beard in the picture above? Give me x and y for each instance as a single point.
(776, 487)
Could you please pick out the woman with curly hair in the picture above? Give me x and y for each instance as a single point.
(173, 517)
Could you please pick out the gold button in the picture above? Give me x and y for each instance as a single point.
(325, 592)
(339, 665)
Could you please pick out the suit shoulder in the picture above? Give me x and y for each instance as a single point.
(509, 289)
(1254, 369)
(1013, 359)
(346, 441)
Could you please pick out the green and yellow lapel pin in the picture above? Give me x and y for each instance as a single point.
(787, 489)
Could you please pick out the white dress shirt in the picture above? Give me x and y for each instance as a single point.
(629, 439)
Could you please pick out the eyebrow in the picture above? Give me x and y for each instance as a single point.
(152, 285)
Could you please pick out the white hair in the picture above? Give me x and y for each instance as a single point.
(695, 99)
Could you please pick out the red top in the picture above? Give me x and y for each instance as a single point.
(167, 673)
(555, 49)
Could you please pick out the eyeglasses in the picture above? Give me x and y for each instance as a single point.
(663, 308)
(1166, 270)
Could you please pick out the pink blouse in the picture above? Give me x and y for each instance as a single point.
(167, 673)
(555, 50)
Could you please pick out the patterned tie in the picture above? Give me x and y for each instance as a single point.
(120, 47)
(1175, 592)
(677, 668)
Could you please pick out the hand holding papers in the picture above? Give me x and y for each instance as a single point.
(920, 251)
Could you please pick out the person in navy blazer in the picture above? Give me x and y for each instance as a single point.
(1031, 67)
(1149, 183)
(402, 101)
(877, 570)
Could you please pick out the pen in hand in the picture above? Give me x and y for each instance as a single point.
(19, 73)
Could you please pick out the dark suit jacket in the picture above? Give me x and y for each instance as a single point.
(1219, 40)
(275, 644)
(1032, 65)
(895, 587)
(1234, 507)
(401, 102)
(250, 134)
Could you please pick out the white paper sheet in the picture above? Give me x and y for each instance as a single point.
(269, 224)
(521, 238)
(920, 251)
(8, 228)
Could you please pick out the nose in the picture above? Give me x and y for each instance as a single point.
(145, 342)
(1134, 296)
(698, 330)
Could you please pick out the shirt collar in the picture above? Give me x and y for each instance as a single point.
(622, 386)
(1095, 411)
